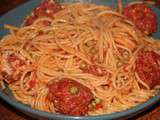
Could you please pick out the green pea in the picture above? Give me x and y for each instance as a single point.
(34, 56)
(51, 32)
(119, 63)
(126, 54)
(93, 51)
(89, 43)
(74, 90)
(83, 66)
(97, 100)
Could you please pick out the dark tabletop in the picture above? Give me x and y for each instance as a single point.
(9, 113)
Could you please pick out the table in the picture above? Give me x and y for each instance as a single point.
(7, 112)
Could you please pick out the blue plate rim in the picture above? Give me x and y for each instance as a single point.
(124, 113)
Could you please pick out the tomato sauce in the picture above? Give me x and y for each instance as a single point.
(32, 83)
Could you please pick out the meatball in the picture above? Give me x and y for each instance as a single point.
(70, 97)
(46, 9)
(148, 67)
(142, 16)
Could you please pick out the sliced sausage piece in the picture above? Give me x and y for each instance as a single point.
(70, 97)
(148, 67)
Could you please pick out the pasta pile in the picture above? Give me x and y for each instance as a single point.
(79, 35)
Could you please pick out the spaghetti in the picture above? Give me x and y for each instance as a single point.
(90, 44)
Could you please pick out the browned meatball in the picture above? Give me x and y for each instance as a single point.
(70, 97)
(143, 17)
(148, 68)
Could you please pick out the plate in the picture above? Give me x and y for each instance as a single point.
(16, 16)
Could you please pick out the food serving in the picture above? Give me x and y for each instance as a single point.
(81, 59)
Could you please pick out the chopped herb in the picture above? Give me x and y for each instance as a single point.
(120, 7)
